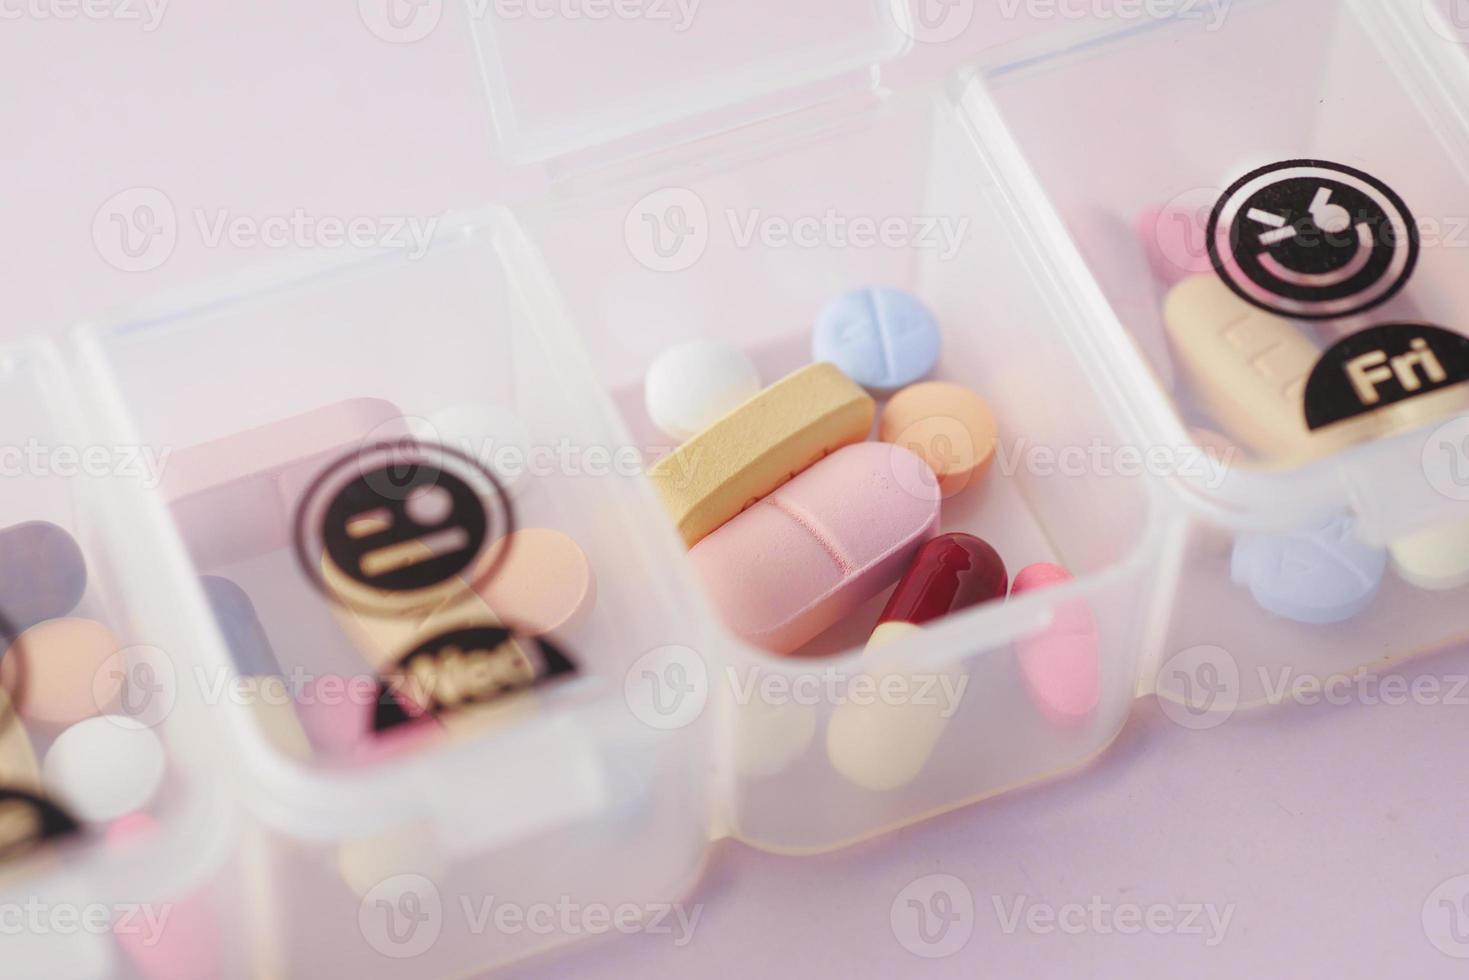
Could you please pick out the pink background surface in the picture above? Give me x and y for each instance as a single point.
(1326, 829)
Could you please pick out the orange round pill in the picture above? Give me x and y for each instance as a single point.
(58, 671)
(948, 426)
(544, 582)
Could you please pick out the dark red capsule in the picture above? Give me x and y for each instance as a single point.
(950, 573)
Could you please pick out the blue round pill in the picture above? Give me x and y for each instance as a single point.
(1318, 575)
(42, 576)
(883, 339)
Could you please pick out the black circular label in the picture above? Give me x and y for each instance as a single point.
(1382, 366)
(1313, 240)
(398, 526)
(463, 667)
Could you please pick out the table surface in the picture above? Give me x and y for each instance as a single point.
(1297, 841)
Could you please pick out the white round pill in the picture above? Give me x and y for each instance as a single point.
(693, 385)
(104, 767)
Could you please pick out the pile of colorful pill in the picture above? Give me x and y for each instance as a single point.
(237, 499)
(794, 521)
(1244, 372)
(64, 699)
(63, 679)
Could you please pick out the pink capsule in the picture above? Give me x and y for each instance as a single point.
(179, 945)
(1061, 664)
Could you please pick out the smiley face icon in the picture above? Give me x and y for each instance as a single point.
(1313, 240)
(395, 528)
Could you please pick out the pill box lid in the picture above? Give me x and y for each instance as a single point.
(565, 76)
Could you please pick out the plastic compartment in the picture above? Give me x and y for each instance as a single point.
(562, 792)
(1107, 127)
(908, 158)
(82, 904)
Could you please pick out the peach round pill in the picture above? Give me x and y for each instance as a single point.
(105, 767)
(693, 385)
(946, 425)
(59, 672)
(544, 582)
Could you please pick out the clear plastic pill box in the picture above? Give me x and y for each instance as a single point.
(1021, 199)
(1171, 118)
(81, 901)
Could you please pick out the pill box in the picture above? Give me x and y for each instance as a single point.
(1312, 98)
(102, 672)
(734, 208)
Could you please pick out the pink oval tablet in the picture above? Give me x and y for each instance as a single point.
(336, 714)
(59, 673)
(817, 548)
(544, 584)
(1174, 237)
(1062, 663)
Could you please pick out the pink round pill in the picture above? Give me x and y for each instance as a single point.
(1061, 665)
(336, 713)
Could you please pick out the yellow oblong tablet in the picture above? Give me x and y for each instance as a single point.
(1250, 369)
(18, 768)
(759, 446)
